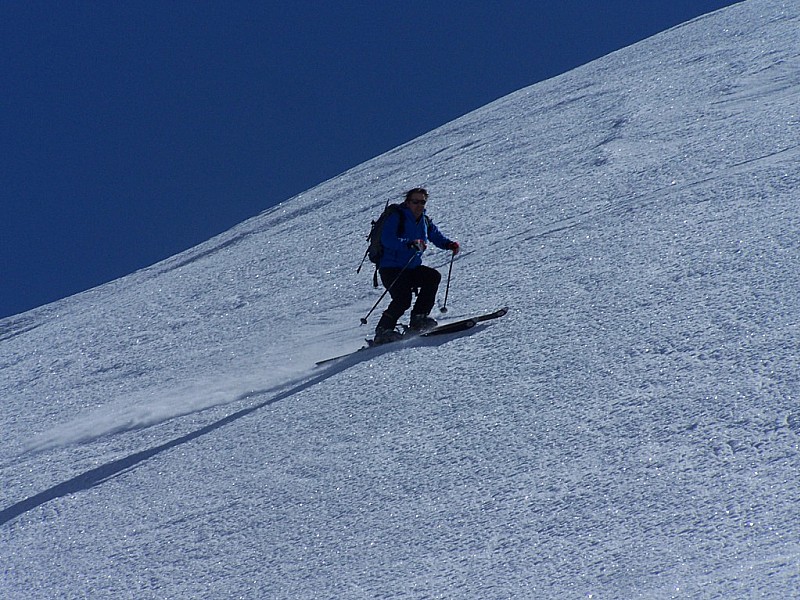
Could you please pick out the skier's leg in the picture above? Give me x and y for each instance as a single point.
(427, 279)
(400, 292)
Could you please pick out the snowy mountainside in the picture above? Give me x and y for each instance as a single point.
(630, 430)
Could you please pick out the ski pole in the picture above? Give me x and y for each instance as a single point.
(363, 260)
(364, 319)
(447, 289)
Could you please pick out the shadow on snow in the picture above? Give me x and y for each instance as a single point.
(103, 473)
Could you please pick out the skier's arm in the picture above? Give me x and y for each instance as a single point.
(438, 238)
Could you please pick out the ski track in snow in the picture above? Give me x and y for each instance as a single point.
(157, 406)
(144, 410)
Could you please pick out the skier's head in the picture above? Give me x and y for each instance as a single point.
(415, 201)
(417, 194)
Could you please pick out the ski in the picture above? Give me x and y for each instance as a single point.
(451, 327)
(325, 361)
(501, 312)
(461, 324)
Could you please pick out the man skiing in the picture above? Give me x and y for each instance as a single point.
(401, 269)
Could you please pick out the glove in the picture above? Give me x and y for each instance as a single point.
(418, 245)
(454, 247)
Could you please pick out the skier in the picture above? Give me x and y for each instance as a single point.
(401, 269)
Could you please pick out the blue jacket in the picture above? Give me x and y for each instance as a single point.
(396, 250)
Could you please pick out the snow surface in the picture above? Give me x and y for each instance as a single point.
(630, 430)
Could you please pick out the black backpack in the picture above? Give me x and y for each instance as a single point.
(375, 248)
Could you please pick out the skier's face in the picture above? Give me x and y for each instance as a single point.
(417, 204)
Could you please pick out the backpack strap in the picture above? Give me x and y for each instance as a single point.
(401, 226)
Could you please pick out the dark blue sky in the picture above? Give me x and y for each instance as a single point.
(131, 131)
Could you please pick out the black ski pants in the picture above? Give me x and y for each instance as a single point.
(401, 285)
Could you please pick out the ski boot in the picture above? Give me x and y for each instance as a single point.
(420, 322)
(384, 335)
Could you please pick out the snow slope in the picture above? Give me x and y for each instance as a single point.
(629, 430)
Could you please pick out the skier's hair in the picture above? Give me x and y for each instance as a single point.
(418, 190)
